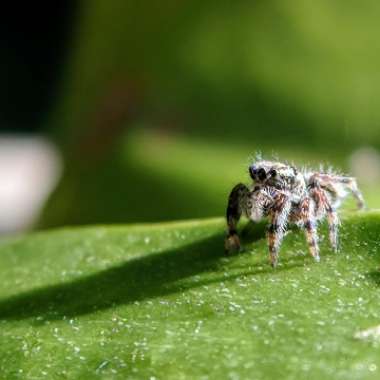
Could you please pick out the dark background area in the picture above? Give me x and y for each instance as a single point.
(34, 42)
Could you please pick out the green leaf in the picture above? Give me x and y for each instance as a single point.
(163, 301)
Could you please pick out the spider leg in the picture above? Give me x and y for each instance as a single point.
(333, 222)
(312, 238)
(279, 213)
(310, 226)
(352, 185)
(338, 186)
(323, 207)
(237, 204)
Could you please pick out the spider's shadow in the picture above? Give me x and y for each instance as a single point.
(148, 277)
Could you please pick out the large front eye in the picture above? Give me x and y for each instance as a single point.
(272, 173)
(261, 174)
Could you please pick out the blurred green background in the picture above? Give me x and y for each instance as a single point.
(157, 107)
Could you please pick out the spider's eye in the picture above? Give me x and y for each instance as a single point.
(252, 171)
(261, 174)
(272, 173)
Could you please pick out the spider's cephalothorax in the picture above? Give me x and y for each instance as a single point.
(286, 195)
(280, 176)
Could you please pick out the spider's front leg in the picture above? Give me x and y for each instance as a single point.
(237, 204)
(278, 214)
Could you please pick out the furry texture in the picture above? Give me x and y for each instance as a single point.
(285, 195)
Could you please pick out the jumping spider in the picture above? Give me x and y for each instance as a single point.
(287, 195)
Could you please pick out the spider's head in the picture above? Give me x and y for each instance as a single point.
(276, 174)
